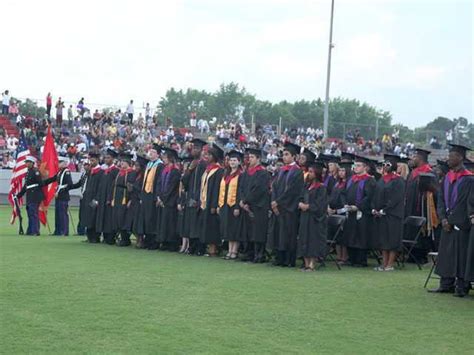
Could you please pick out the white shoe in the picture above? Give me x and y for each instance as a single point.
(379, 268)
(390, 268)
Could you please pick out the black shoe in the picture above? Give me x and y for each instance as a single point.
(459, 292)
(441, 290)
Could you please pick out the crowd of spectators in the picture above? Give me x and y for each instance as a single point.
(81, 130)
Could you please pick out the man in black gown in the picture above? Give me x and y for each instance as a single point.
(286, 195)
(453, 211)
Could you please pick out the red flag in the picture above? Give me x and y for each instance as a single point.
(48, 168)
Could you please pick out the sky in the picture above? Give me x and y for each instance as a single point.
(413, 58)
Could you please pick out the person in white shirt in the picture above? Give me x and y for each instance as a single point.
(130, 111)
(12, 143)
(148, 112)
(5, 102)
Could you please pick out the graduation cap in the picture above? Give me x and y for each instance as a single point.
(442, 165)
(125, 156)
(459, 149)
(392, 158)
(361, 159)
(310, 156)
(293, 148)
(404, 160)
(217, 152)
(223, 140)
(198, 142)
(427, 182)
(329, 158)
(469, 164)
(143, 161)
(235, 154)
(345, 165)
(112, 152)
(346, 156)
(157, 147)
(170, 153)
(254, 151)
(423, 153)
(94, 155)
(317, 164)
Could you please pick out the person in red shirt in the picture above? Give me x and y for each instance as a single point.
(49, 104)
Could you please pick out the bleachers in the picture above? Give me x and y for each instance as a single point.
(8, 126)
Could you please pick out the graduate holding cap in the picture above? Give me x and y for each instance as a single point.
(452, 209)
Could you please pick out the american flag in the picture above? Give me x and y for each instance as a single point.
(18, 174)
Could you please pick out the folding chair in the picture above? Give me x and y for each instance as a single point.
(336, 221)
(409, 243)
(434, 258)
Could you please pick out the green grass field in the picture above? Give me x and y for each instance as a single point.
(59, 295)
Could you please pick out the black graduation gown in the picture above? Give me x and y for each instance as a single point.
(329, 183)
(122, 213)
(357, 232)
(255, 192)
(336, 201)
(192, 186)
(209, 232)
(149, 215)
(168, 193)
(230, 225)
(469, 276)
(286, 191)
(181, 214)
(135, 206)
(105, 223)
(388, 229)
(312, 233)
(88, 212)
(452, 253)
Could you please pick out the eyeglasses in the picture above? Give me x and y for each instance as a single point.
(386, 164)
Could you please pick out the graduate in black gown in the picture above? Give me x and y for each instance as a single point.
(135, 203)
(421, 202)
(336, 202)
(121, 200)
(192, 186)
(452, 209)
(331, 173)
(255, 203)
(304, 160)
(229, 211)
(387, 210)
(286, 194)
(183, 166)
(89, 200)
(357, 228)
(149, 197)
(105, 224)
(469, 275)
(168, 200)
(312, 232)
(209, 232)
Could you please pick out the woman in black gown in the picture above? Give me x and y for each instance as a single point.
(388, 210)
(312, 241)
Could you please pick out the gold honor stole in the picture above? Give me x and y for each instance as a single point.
(149, 177)
(204, 180)
(232, 192)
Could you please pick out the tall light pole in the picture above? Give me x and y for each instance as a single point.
(328, 78)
